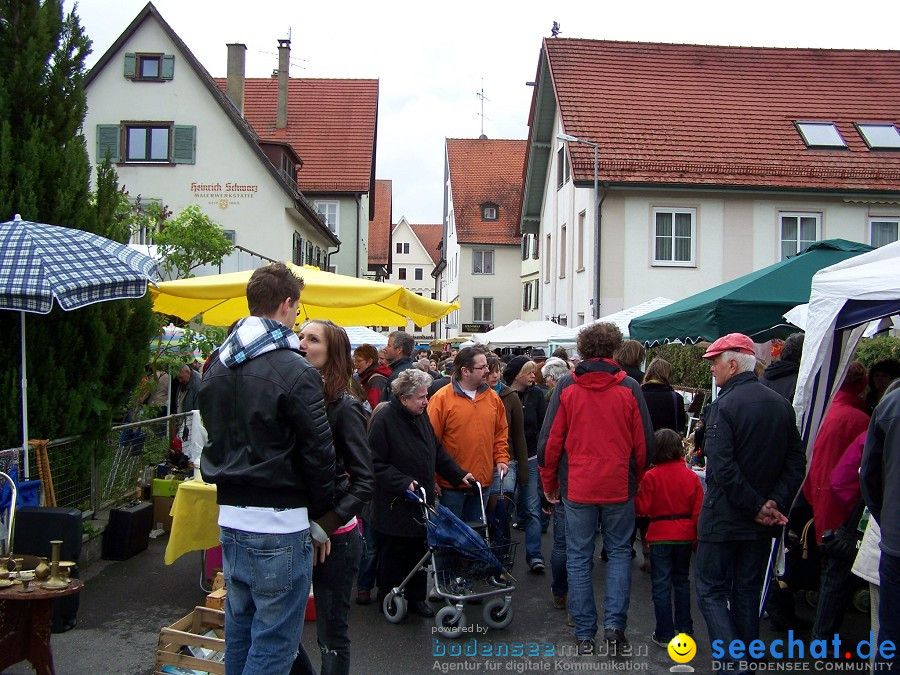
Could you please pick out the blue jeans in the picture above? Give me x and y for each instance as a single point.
(670, 574)
(499, 503)
(332, 584)
(531, 505)
(834, 586)
(368, 563)
(729, 577)
(559, 583)
(889, 608)
(463, 503)
(268, 579)
(581, 527)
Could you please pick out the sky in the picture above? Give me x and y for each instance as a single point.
(432, 59)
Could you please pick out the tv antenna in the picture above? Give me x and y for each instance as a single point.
(482, 98)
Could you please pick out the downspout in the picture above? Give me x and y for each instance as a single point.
(358, 225)
(597, 261)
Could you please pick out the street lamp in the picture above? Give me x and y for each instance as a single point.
(573, 139)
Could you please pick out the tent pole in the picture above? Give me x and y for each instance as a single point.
(24, 399)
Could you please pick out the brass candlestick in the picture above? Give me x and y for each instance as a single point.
(55, 581)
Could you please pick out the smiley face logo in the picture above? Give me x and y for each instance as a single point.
(682, 648)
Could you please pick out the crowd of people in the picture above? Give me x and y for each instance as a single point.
(314, 449)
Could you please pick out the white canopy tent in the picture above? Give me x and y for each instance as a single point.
(799, 316)
(621, 318)
(518, 333)
(360, 335)
(845, 298)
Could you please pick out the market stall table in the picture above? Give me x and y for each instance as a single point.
(25, 623)
(195, 516)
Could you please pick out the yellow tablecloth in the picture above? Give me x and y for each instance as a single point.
(195, 517)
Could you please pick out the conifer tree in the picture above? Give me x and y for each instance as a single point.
(83, 364)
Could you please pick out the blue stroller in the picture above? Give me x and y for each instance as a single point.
(463, 566)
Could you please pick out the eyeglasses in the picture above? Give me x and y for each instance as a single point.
(478, 368)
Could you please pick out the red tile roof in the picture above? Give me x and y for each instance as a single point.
(331, 125)
(690, 114)
(486, 170)
(380, 225)
(430, 236)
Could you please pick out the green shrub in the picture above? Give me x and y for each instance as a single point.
(690, 370)
(871, 350)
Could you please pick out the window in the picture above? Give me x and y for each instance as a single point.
(673, 237)
(484, 310)
(147, 144)
(526, 296)
(525, 246)
(880, 136)
(297, 252)
(418, 274)
(580, 319)
(798, 230)
(402, 247)
(535, 247)
(149, 67)
(536, 292)
(562, 167)
(150, 142)
(883, 231)
(482, 262)
(489, 211)
(562, 252)
(579, 242)
(329, 213)
(820, 135)
(401, 273)
(547, 251)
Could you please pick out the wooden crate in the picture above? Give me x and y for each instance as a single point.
(216, 599)
(189, 631)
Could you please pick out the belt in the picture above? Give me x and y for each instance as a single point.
(679, 516)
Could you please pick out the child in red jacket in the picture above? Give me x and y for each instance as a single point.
(670, 494)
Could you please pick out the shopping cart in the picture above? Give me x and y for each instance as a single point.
(463, 566)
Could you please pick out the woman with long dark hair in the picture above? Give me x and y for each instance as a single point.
(327, 348)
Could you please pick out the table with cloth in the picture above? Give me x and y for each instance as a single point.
(195, 516)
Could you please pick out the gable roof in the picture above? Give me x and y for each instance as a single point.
(430, 236)
(244, 129)
(380, 225)
(723, 116)
(331, 123)
(486, 170)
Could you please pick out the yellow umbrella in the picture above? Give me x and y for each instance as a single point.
(347, 301)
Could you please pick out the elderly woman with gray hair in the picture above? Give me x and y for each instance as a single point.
(406, 455)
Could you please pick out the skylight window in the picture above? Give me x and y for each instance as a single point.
(820, 135)
(880, 136)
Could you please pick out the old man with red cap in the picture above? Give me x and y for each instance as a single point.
(755, 464)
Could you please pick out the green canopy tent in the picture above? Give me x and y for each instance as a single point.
(753, 304)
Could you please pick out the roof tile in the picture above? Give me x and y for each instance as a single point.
(430, 236)
(380, 225)
(695, 114)
(331, 125)
(486, 170)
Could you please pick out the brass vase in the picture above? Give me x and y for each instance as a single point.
(42, 570)
(55, 581)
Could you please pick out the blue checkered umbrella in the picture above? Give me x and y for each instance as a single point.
(41, 263)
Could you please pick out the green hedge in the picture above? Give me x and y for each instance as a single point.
(687, 361)
(871, 350)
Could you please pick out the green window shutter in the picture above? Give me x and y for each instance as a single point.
(107, 143)
(167, 72)
(130, 65)
(185, 145)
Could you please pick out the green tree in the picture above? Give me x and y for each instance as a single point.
(188, 241)
(82, 365)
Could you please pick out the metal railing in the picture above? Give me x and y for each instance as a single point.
(110, 471)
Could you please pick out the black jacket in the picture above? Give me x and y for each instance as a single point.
(355, 477)
(753, 454)
(397, 367)
(781, 376)
(404, 449)
(534, 406)
(439, 383)
(665, 405)
(269, 440)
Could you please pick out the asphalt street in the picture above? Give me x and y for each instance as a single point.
(125, 604)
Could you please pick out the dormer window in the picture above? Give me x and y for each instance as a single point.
(490, 211)
(149, 67)
(879, 136)
(821, 135)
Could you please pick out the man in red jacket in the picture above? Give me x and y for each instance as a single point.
(592, 452)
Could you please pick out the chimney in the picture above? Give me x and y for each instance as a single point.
(234, 86)
(284, 57)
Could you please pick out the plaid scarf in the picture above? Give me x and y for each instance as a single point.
(253, 336)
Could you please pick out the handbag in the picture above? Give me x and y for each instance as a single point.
(844, 542)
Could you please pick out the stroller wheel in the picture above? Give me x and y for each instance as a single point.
(394, 607)
(498, 612)
(861, 600)
(450, 622)
(812, 598)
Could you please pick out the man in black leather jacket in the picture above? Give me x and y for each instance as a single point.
(755, 463)
(271, 458)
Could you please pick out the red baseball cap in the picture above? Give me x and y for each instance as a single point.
(735, 342)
